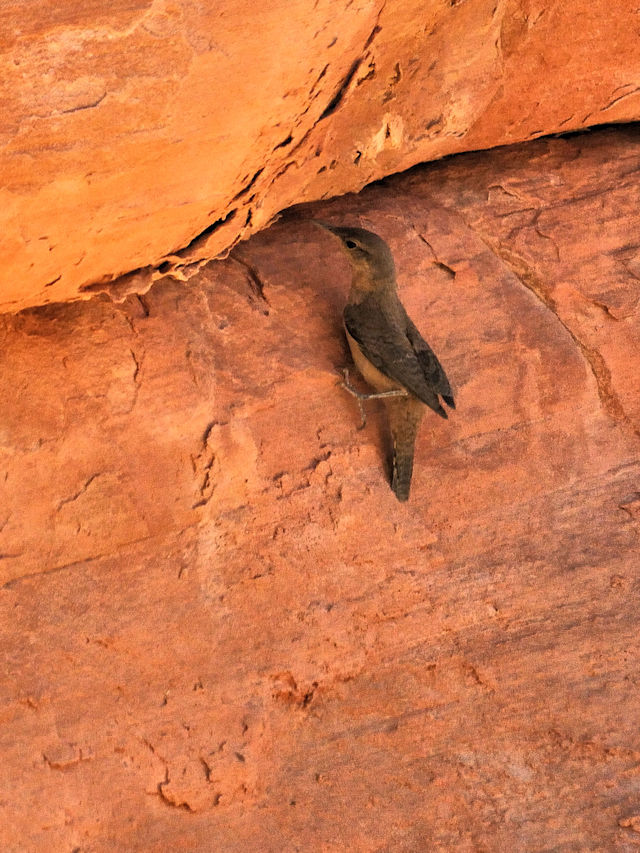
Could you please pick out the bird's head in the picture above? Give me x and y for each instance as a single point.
(370, 257)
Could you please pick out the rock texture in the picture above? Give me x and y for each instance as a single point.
(220, 630)
(156, 134)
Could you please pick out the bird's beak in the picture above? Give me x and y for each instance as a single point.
(324, 225)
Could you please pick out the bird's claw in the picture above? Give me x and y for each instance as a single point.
(360, 396)
(355, 393)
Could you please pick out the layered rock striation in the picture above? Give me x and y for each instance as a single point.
(148, 137)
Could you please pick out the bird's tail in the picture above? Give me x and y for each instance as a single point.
(405, 414)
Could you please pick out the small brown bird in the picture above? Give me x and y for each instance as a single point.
(387, 349)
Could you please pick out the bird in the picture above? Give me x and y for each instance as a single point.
(387, 348)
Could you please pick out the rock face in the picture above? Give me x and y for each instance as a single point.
(144, 135)
(219, 628)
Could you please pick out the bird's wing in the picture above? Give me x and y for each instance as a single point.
(433, 370)
(388, 347)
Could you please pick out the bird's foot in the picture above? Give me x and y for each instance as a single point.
(360, 396)
(354, 393)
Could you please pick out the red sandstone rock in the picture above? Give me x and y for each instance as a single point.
(130, 131)
(219, 629)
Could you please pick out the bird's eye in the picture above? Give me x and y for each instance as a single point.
(350, 244)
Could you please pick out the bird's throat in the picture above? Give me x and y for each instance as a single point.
(363, 284)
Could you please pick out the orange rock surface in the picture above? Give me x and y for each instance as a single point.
(137, 135)
(220, 630)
